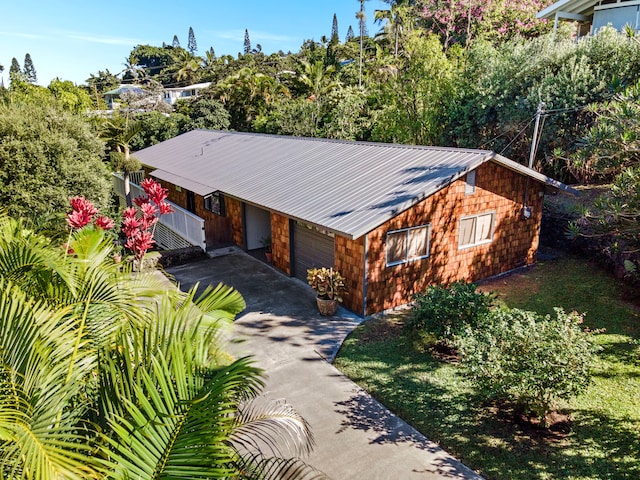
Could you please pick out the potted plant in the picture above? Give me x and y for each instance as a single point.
(266, 244)
(329, 285)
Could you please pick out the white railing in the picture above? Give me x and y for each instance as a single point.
(176, 230)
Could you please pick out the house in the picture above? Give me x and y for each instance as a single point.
(112, 96)
(391, 218)
(172, 95)
(592, 15)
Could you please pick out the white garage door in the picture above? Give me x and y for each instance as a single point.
(311, 248)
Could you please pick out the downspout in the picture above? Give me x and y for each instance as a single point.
(365, 270)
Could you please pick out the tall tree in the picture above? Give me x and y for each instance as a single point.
(46, 156)
(175, 43)
(29, 69)
(247, 42)
(416, 99)
(192, 45)
(15, 72)
(335, 38)
(362, 19)
(394, 19)
(349, 36)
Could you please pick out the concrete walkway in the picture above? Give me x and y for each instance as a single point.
(356, 437)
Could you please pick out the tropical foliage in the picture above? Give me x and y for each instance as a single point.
(106, 374)
(46, 156)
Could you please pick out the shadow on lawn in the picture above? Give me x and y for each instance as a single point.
(435, 398)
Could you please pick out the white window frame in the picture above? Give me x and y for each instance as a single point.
(407, 231)
(470, 185)
(476, 242)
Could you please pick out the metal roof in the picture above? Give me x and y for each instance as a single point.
(347, 187)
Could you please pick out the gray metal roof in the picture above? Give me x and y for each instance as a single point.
(347, 187)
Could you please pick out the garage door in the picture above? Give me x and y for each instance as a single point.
(311, 248)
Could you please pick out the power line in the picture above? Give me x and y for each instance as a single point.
(518, 135)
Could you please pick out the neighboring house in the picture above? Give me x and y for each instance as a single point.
(592, 15)
(112, 96)
(391, 218)
(172, 95)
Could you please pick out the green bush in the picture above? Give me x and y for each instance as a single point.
(447, 311)
(530, 360)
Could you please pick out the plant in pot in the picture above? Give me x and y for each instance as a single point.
(329, 285)
(266, 244)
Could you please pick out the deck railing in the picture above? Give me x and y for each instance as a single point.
(175, 230)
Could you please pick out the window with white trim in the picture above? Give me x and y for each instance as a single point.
(408, 244)
(476, 230)
(470, 185)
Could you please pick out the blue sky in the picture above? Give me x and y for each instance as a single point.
(71, 39)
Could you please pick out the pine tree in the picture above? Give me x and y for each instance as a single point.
(247, 42)
(193, 45)
(15, 72)
(335, 39)
(350, 35)
(29, 69)
(176, 42)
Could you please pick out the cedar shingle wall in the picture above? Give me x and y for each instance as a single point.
(280, 243)
(217, 228)
(234, 213)
(515, 240)
(349, 261)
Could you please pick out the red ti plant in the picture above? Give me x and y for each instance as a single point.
(139, 224)
(83, 212)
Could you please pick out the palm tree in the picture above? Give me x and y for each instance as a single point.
(187, 68)
(394, 18)
(120, 132)
(362, 18)
(247, 94)
(317, 78)
(110, 375)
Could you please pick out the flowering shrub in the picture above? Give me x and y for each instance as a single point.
(139, 224)
(459, 21)
(83, 213)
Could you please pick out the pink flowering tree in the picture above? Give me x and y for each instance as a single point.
(461, 21)
(139, 223)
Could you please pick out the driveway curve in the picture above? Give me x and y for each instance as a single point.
(356, 437)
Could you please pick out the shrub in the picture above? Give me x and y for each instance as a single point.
(447, 311)
(528, 359)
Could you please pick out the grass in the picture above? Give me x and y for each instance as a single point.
(434, 396)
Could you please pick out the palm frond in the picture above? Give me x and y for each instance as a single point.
(271, 427)
(221, 301)
(256, 468)
(177, 419)
(41, 378)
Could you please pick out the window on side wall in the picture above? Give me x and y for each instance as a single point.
(476, 230)
(407, 244)
(214, 203)
(470, 185)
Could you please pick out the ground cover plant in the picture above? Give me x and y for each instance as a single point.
(594, 435)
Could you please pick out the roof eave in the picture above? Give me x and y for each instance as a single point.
(519, 168)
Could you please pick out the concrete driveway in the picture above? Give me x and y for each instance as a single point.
(356, 437)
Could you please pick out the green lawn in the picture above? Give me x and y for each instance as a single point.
(432, 395)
